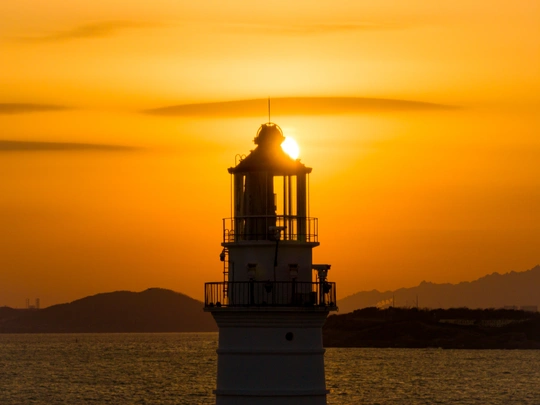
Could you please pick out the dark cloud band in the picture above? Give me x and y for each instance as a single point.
(297, 106)
(28, 146)
(93, 30)
(22, 108)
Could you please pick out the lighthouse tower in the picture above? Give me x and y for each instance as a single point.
(273, 301)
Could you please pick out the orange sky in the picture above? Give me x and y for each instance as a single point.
(100, 193)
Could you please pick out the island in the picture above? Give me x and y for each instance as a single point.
(455, 328)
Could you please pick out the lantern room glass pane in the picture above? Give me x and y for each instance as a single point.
(278, 194)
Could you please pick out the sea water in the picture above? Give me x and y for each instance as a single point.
(180, 368)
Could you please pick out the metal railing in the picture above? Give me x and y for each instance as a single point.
(265, 227)
(270, 293)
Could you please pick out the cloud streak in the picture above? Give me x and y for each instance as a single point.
(297, 106)
(94, 30)
(23, 108)
(311, 29)
(31, 146)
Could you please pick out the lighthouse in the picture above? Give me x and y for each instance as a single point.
(273, 300)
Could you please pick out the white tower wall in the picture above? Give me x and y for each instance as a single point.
(263, 255)
(270, 356)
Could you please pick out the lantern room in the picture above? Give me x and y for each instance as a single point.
(270, 193)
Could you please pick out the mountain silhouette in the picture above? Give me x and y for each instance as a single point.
(491, 291)
(152, 310)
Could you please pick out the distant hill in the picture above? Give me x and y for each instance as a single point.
(152, 310)
(492, 291)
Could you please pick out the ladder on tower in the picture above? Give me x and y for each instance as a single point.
(225, 259)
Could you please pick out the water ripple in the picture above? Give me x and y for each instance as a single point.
(180, 368)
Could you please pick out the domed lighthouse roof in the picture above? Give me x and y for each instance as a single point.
(268, 156)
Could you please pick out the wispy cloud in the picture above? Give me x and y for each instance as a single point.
(297, 106)
(94, 30)
(22, 108)
(30, 146)
(311, 29)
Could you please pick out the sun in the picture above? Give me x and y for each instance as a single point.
(290, 147)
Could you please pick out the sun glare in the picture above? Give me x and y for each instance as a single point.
(290, 147)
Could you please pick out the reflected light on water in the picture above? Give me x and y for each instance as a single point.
(180, 368)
